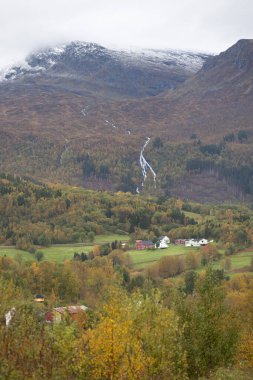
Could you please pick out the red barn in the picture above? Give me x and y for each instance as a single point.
(144, 244)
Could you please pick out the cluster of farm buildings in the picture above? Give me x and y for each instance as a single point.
(164, 242)
(55, 315)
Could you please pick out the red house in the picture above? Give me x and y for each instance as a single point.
(144, 244)
(180, 241)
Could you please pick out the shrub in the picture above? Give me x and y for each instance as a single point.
(39, 255)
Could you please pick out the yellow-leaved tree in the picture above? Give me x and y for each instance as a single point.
(115, 351)
(158, 329)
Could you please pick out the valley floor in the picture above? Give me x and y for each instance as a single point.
(141, 259)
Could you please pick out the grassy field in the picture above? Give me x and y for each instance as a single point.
(141, 259)
(15, 253)
(194, 216)
(144, 258)
(240, 260)
(59, 253)
(55, 254)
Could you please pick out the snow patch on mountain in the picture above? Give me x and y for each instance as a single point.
(18, 71)
(78, 51)
(45, 59)
(174, 58)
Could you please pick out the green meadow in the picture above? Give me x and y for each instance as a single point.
(141, 259)
(238, 261)
(15, 253)
(60, 253)
(54, 253)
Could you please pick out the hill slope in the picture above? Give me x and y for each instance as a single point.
(85, 124)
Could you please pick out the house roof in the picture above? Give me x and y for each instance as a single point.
(70, 309)
(163, 237)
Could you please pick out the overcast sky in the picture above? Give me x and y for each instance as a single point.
(199, 25)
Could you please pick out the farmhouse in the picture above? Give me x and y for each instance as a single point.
(163, 242)
(196, 243)
(58, 314)
(192, 243)
(144, 244)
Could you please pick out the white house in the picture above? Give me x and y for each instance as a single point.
(203, 242)
(192, 243)
(197, 243)
(163, 242)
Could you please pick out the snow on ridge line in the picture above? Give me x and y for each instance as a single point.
(188, 59)
(77, 47)
(49, 56)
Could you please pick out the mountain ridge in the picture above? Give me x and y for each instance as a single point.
(146, 72)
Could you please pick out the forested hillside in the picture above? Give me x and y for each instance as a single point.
(116, 167)
(33, 213)
(38, 214)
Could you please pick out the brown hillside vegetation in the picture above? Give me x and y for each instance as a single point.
(45, 135)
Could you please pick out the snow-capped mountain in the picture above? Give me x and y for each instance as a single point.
(134, 73)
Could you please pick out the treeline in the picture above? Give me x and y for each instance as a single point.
(154, 330)
(240, 176)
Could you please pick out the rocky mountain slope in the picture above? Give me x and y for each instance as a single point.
(87, 67)
(215, 101)
(81, 114)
